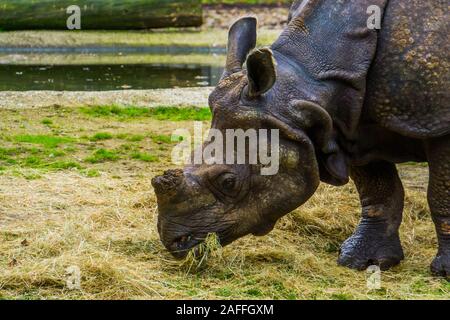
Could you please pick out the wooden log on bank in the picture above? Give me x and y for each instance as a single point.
(100, 14)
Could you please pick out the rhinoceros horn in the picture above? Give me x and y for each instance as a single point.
(169, 181)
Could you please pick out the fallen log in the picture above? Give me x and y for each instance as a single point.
(99, 14)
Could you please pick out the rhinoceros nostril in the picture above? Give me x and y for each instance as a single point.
(182, 243)
(185, 239)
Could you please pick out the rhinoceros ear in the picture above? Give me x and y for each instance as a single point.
(261, 72)
(318, 125)
(314, 120)
(241, 40)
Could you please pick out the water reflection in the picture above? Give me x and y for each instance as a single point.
(20, 77)
(91, 71)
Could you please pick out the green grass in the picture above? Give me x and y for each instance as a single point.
(102, 155)
(44, 140)
(101, 136)
(38, 152)
(146, 157)
(161, 138)
(5, 153)
(23, 157)
(136, 138)
(32, 155)
(124, 148)
(47, 122)
(130, 137)
(92, 173)
(64, 165)
(158, 113)
(180, 114)
(33, 161)
(39, 162)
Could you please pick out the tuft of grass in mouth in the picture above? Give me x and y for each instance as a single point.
(200, 254)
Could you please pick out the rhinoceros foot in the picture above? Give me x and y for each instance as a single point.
(441, 265)
(370, 248)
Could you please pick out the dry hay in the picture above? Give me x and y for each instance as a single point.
(106, 226)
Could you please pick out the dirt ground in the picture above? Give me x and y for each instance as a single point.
(75, 191)
(182, 97)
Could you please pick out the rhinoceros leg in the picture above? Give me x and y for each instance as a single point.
(438, 151)
(376, 239)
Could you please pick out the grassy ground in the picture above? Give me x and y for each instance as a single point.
(75, 191)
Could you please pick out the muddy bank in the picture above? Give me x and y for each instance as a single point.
(150, 98)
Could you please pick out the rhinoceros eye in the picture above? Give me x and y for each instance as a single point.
(227, 183)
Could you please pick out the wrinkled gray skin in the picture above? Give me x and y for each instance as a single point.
(349, 102)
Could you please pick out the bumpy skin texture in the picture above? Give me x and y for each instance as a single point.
(438, 151)
(405, 109)
(348, 102)
(405, 117)
(408, 84)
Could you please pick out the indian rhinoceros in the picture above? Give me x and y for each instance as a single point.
(350, 101)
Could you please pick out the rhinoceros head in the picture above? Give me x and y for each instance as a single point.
(233, 200)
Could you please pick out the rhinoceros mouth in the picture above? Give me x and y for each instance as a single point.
(181, 246)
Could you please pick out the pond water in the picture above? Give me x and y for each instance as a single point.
(101, 73)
